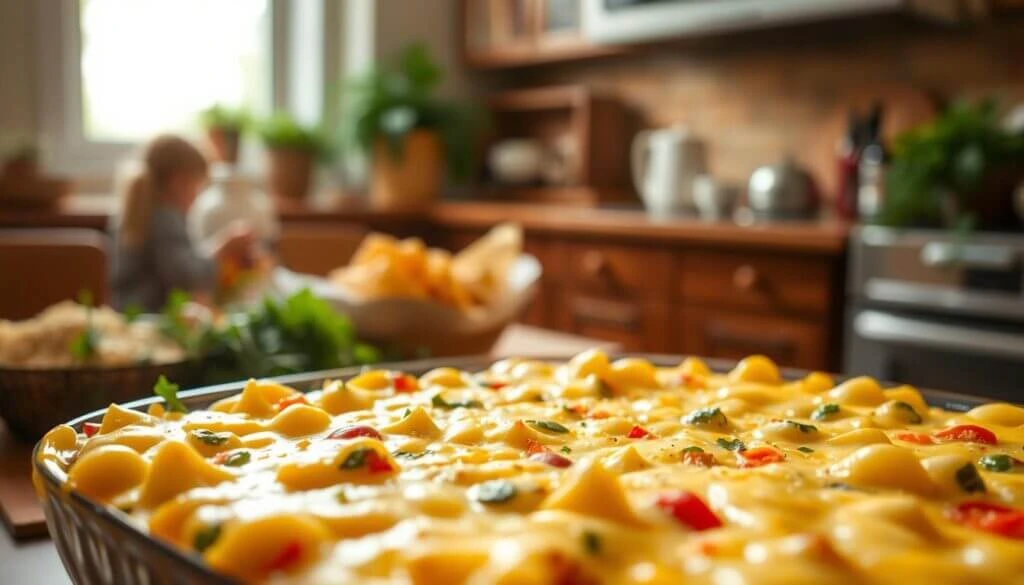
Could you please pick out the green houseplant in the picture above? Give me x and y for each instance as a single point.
(224, 127)
(292, 150)
(410, 135)
(960, 169)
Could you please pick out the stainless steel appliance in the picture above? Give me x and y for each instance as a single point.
(938, 310)
(624, 21)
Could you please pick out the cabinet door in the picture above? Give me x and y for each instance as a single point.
(723, 334)
(636, 325)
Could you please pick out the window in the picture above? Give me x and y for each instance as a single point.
(115, 72)
(151, 65)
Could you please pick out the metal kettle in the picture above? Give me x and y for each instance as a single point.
(782, 191)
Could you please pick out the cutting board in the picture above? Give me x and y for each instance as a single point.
(19, 508)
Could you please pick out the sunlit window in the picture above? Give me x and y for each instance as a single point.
(151, 65)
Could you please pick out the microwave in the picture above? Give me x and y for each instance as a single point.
(628, 21)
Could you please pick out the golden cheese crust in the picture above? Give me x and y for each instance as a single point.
(585, 472)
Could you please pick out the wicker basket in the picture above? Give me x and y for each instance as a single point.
(33, 401)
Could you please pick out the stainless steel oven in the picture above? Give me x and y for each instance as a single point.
(938, 309)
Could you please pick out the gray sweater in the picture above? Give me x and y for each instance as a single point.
(145, 275)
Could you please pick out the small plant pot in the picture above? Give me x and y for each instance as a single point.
(410, 179)
(223, 144)
(289, 172)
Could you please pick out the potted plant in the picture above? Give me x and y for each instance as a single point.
(959, 170)
(292, 150)
(224, 127)
(410, 135)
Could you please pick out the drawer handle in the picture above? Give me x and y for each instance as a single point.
(746, 278)
(605, 312)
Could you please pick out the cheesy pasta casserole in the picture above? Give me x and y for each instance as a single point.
(586, 472)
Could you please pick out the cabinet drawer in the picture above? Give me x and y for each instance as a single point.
(722, 334)
(785, 284)
(619, 270)
(637, 325)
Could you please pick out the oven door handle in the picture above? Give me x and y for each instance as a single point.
(888, 328)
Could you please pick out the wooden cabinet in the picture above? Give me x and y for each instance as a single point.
(639, 325)
(712, 292)
(734, 335)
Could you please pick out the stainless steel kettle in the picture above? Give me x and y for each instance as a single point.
(782, 191)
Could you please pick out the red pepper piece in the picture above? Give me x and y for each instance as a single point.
(287, 558)
(992, 518)
(687, 508)
(90, 429)
(760, 456)
(599, 415)
(355, 431)
(699, 458)
(377, 464)
(638, 432)
(290, 400)
(533, 447)
(916, 438)
(405, 383)
(496, 385)
(968, 434)
(552, 459)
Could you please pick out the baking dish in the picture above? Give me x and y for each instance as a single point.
(98, 545)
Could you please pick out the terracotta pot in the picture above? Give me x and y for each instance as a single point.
(410, 180)
(224, 144)
(289, 172)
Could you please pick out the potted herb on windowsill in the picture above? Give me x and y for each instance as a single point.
(959, 170)
(224, 127)
(410, 135)
(292, 152)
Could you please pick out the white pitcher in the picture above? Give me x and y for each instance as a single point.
(666, 163)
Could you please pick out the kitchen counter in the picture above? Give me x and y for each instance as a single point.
(824, 236)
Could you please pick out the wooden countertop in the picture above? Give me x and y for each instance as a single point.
(824, 236)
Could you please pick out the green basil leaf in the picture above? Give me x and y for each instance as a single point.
(547, 426)
(825, 411)
(497, 491)
(169, 392)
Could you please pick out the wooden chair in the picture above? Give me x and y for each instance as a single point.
(318, 249)
(40, 267)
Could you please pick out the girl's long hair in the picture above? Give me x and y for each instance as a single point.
(145, 179)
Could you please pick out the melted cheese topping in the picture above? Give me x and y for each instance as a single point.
(585, 472)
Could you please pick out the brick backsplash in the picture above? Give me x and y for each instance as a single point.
(756, 97)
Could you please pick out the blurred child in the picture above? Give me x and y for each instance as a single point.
(153, 254)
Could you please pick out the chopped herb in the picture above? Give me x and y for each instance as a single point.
(591, 542)
(583, 423)
(805, 449)
(205, 537)
(440, 402)
(912, 416)
(238, 459)
(547, 426)
(211, 438)
(693, 449)
(996, 462)
(406, 413)
(497, 491)
(969, 480)
(131, 313)
(824, 411)
(841, 486)
(804, 428)
(410, 454)
(341, 497)
(169, 392)
(732, 445)
(85, 344)
(707, 416)
(566, 450)
(356, 459)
